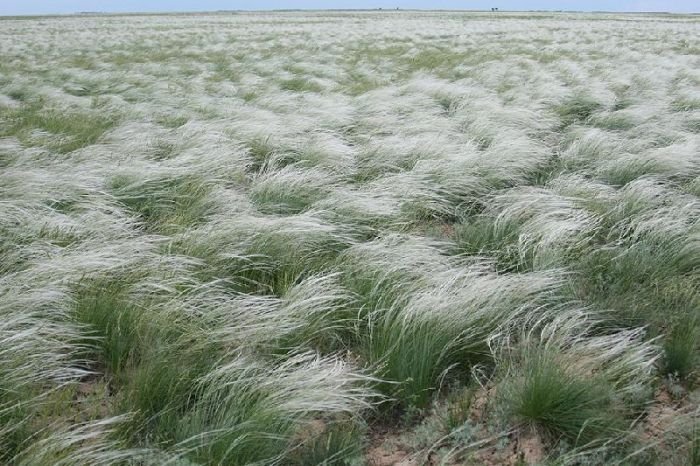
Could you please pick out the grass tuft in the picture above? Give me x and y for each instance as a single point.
(557, 401)
(165, 205)
(300, 84)
(36, 123)
(680, 350)
(576, 109)
(113, 323)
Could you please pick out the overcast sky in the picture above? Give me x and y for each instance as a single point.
(16, 7)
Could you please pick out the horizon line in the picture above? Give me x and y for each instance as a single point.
(290, 10)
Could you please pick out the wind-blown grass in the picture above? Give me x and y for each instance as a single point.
(63, 130)
(246, 413)
(164, 205)
(286, 238)
(574, 386)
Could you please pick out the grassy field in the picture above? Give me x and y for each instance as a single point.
(350, 238)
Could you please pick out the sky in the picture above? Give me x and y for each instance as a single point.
(20, 7)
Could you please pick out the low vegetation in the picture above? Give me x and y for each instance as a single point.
(349, 238)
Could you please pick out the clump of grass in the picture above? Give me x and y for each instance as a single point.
(248, 96)
(300, 84)
(268, 155)
(411, 353)
(289, 190)
(557, 401)
(87, 443)
(481, 236)
(433, 59)
(19, 94)
(14, 256)
(613, 122)
(340, 443)
(643, 269)
(358, 83)
(379, 278)
(265, 254)
(549, 225)
(38, 355)
(163, 150)
(172, 120)
(165, 205)
(573, 382)
(622, 102)
(680, 349)
(245, 412)
(372, 165)
(113, 323)
(576, 109)
(160, 389)
(150, 349)
(627, 169)
(685, 104)
(15, 431)
(320, 315)
(421, 329)
(640, 288)
(69, 129)
(435, 192)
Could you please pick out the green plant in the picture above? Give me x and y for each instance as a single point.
(69, 129)
(289, 190)
(245, 412)
(411, 353)
(482, 237)
(558, 401)
(300, 84)
(576, 109)
(165, 205)
(114, 324)
(680, 349)
(338, 443)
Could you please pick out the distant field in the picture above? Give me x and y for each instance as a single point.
(382, 238)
